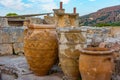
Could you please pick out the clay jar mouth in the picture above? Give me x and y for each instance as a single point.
(41, 26)
(96, 50)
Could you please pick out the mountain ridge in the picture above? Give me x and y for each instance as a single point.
(104, 15)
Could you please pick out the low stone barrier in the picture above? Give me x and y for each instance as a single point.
(11, 40)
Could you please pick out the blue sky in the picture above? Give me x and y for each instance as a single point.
(42, 6)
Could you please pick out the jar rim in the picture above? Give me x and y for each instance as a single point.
(96, 50)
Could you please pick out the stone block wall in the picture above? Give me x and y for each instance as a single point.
(95, 36)
(5, 49)
(11, 40)
(3, 22)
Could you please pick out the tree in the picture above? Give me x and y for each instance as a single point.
(108, 24)
(102, 24)
(11, 14)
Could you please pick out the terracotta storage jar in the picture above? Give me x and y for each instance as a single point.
(96, 63)
(40, 47)
(70, 41)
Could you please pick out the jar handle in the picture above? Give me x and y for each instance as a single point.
(108, 59)
(111, 59)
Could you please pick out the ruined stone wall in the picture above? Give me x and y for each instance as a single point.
(49, 19)
(97, 35)
(3, 22)
(35, 20)
(11, 40)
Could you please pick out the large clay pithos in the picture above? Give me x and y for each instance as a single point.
(96, 64)
(70, 41)
(40, 47)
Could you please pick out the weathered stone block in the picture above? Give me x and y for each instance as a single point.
(6, 35)
(11, 34)
(71, 36)
(71, 46)
(4, 22)
(84, 34)
(115, 31)
(18, 34)
(18, 48)
(5, 49)
(70, 50)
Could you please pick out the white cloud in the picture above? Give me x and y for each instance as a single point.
(92, 0)
(48, 7)
(65, 1)
(45, 5)
(14, 4)
(43, 1)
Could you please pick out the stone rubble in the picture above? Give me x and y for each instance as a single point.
(16, 68)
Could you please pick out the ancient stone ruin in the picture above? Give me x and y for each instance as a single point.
(71, 39)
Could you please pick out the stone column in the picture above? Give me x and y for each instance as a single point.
(58, 15)
(63, 19)
(74, 10)
(74, 18)
(61, 5)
